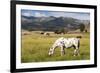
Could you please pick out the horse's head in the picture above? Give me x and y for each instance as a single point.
(50, 51)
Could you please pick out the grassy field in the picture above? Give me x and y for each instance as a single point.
(35, 48)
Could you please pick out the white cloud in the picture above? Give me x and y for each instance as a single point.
(27, 14)
(38, 14)
(83, 16)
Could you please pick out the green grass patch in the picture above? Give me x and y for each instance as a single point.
(35, 48)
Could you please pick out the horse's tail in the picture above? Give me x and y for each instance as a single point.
(78, 43)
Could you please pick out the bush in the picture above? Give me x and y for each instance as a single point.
(62, 30)
(86, 31)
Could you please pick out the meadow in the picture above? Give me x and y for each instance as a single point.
(35, 47)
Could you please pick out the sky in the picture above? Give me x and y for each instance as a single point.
(43, 13)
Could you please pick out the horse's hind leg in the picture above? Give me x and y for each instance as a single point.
(76, 46)
(76, 51)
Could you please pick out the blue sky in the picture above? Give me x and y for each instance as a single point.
(38, 13)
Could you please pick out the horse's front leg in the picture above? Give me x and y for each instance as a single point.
(62, 50)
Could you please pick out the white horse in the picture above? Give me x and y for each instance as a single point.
(66, 43)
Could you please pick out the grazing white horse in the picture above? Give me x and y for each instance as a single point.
(66, 43)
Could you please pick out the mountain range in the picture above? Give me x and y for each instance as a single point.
(51, 23)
